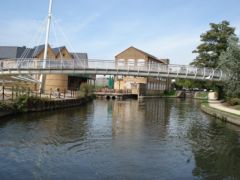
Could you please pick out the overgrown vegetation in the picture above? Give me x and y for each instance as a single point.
(86, 90)
(23, 103)
(218, 49)
(214, 43)
(6, 106)
(202, 95)
(170, 93)
(230, 63)
(233, 101)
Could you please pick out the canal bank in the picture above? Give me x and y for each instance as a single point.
(222, 112)
(38, 105)
(200, 95)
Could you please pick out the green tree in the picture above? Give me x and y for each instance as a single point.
(230, 63)
(214, 42)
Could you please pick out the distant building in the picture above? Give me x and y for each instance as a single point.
(101, 81)
(53, 81)
(140, 85)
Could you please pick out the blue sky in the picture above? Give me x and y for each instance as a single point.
(103, 28)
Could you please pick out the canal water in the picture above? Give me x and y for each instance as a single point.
(149, 139)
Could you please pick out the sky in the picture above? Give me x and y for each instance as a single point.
(103, 28)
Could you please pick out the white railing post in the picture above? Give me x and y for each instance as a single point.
(149, 67)
(187, 71)
(220, 75)
(73, 64)
(204, 72)
(196, 73)
(213, 71)
(168, 70)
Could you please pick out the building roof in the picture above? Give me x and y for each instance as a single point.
(11, 52)
(58, 49)
(37, 50)
(79, 55)
(165, 61)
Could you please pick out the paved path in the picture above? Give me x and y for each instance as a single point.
(221, 107)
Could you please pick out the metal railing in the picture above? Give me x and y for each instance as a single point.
(111, 67)
(11, 93)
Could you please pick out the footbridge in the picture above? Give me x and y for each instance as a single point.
(14, 67)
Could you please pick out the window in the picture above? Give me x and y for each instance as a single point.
(140, 62)
(148, 86)
(121, 62)
(131, 62)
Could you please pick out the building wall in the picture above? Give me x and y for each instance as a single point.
(54, 81)
(131, 53)
(64, 54)
(132, 57)
(128, 83)
(50, 54)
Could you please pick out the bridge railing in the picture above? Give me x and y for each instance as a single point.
(79, 64)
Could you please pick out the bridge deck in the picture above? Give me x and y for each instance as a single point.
(101, 67)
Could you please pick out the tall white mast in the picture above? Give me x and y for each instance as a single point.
(43, 77)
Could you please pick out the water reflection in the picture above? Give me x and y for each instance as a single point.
(149, 139)
(216, 151)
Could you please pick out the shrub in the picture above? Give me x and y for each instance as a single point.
(170, 93)
(20, 104)
(24, 103)
(85, 90)
(4, 106)
(234, 101)
(202, 95)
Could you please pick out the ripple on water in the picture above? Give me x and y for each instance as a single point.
(150, 139)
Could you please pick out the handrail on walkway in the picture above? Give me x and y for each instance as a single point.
(111, 67)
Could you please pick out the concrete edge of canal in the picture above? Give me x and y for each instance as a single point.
(52, 105)
(220, 114)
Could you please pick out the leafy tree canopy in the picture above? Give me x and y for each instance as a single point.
(230, 63)
(214, 42)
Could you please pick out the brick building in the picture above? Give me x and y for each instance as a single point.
(140, 85)
(53, 81)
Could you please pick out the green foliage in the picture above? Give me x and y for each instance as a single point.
(37, 102)
(185, 83)
(189, 84)
(234, 101)
(170, 93)
(230, 63)
(214, 42)
(24, 103)
(86, 90)
(4, 106)
(202, 95)
(20, 104)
